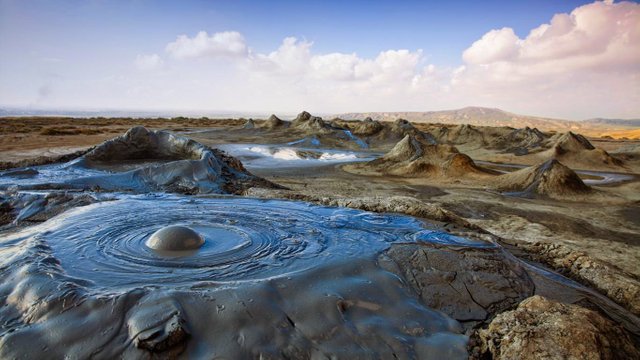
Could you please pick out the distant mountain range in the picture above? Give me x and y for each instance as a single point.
(490, 117)
(472, 115)
(615, 122)
(5, 112)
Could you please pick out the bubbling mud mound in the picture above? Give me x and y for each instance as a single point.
(145, 161)
(272, 279)
(549, 178)
(413, 158)
(244, 239)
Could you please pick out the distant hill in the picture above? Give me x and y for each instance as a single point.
(615, 122)
(472, 115)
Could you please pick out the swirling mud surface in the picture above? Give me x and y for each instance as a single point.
(245, 239)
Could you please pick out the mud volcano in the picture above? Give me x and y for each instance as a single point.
(143, 161)
(175, 238)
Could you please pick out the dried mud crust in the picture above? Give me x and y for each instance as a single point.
(544, 329)
(617, 285)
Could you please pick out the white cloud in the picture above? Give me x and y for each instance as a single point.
(582, 64)
(295, 58)
(496, 45)
(148, 62)
(586, 63)
(227, 43)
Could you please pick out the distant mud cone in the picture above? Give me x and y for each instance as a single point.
(576, 150)
(249, 124)
(548, 178)
(413, 158)
(459, 134)
(520, 141)
(273, 122)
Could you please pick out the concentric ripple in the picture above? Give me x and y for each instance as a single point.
(245, 239)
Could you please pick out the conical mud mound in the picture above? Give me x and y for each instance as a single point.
(311, 124)
(570, 142)
(520, 141)
(249, 124)
(459, 134)
(411, 157)
(175, 164)
(578, 152)
(548, 178)
(273, 122)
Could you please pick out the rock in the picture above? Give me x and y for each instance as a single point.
(470, 284)
(609, 280)
(157, 324)
(543, 329)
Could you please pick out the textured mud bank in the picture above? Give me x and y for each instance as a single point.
(274, 278)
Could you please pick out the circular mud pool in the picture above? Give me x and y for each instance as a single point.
(243, 239)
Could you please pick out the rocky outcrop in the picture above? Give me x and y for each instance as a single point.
(549, 178)
(411, 157)
(609, 280)
(543, 329)
(470, 284)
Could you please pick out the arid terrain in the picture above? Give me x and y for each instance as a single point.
(563, 208)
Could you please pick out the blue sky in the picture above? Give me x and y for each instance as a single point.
(86, 54)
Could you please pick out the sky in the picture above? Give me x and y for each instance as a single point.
(564, 59)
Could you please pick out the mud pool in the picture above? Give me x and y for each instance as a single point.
(245, 239)
(258, 156)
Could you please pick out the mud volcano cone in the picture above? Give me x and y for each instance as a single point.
(412, 157)
(548, 178)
